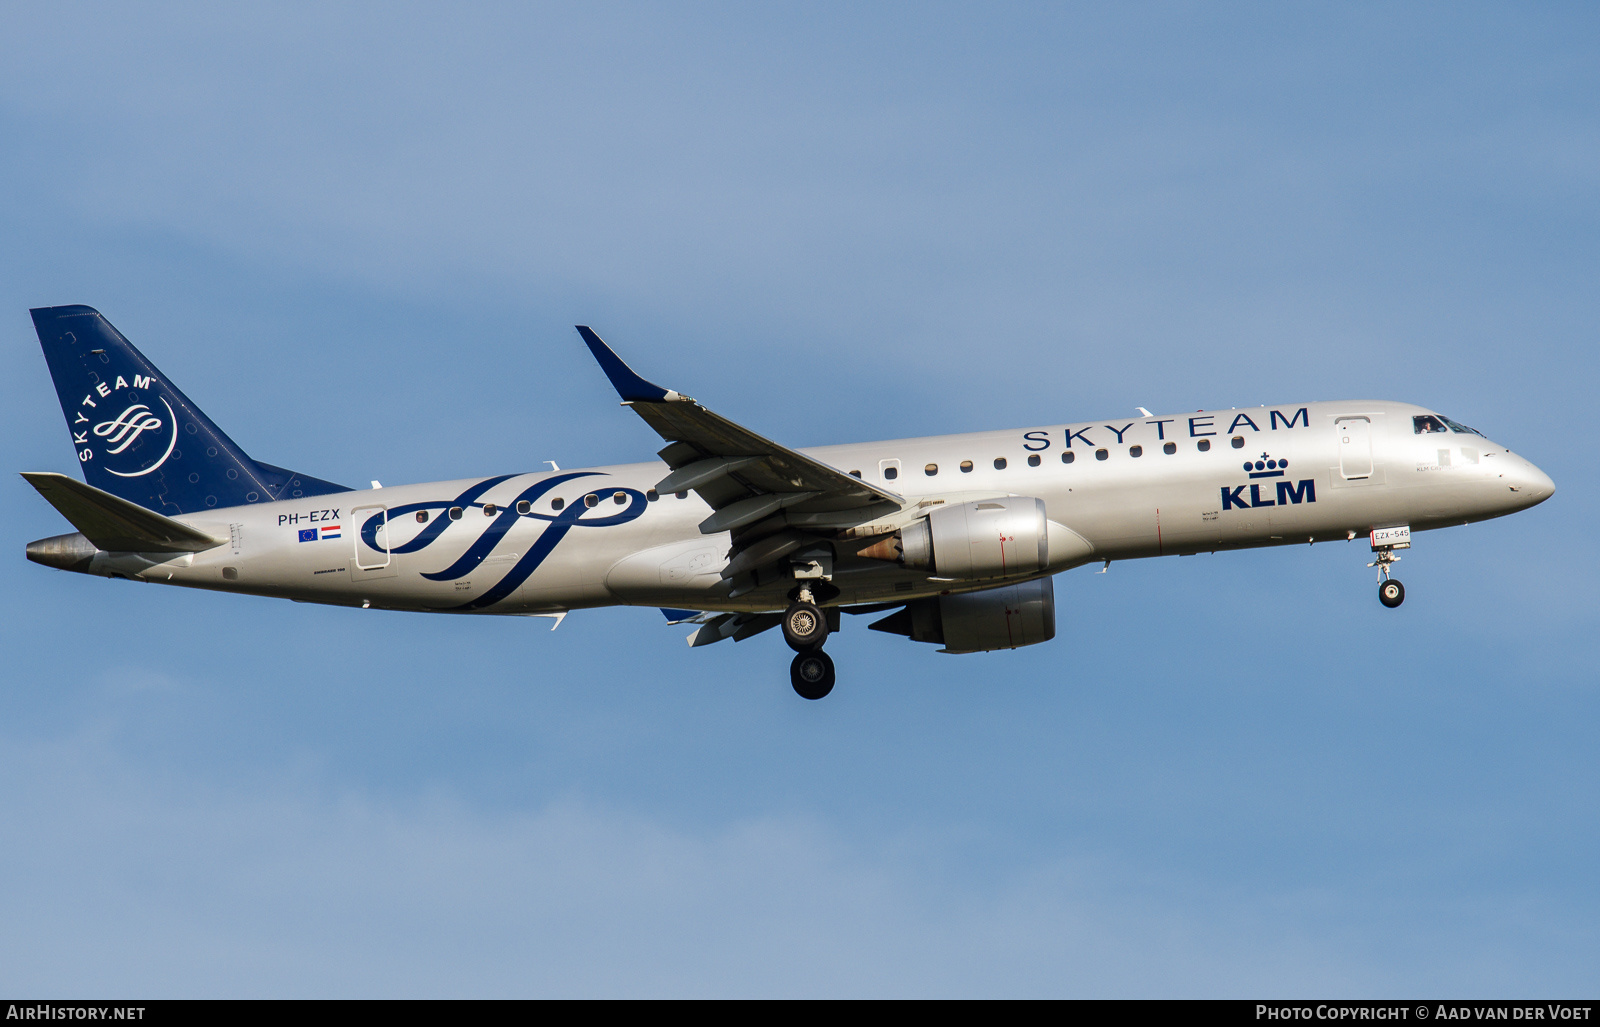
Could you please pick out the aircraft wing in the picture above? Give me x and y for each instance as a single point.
(744, 478)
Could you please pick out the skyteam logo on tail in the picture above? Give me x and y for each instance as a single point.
(138, 440)
(1289, 492)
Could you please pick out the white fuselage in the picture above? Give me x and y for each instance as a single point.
(600, 536)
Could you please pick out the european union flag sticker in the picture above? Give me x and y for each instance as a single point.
(308, 534)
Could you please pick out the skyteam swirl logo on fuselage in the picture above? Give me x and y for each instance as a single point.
(577, 515)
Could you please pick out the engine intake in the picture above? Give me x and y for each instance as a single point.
(990, 538)
(1007, 617)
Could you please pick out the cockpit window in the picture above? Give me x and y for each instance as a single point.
(1426, 423)
(1429, 423)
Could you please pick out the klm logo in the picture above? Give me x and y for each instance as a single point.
(1295, 492)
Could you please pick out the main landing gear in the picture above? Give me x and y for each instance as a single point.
(805, 628)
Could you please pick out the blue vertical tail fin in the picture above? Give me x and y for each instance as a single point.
(140, 438)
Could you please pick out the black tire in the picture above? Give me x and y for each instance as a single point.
(811, 673)
(1391, 593)
(804, 627)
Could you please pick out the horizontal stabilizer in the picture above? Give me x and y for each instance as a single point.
(114, 524)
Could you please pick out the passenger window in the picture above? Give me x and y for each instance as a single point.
(1101, 454)
(1136, 451)
(681, 495)
(966, 467)
(488, 509)
(652, 496)
(1204, 445)
(556, 504)
(455, 513)
(931, 470)
(891, 473)
(1068, 457)
(619, 498)
(591, 501)
(422, 517)
(523, 506)
(855, 474)
(1238, 442)
(1170, 448)
(999, 463)
(1033, 460)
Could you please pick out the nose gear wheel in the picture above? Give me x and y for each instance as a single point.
(1390, 592)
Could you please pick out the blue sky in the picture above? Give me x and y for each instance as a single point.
(359, 237)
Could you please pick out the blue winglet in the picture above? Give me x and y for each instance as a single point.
(629, 386)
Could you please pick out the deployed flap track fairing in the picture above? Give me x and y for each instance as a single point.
(954, 539)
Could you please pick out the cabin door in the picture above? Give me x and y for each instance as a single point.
(369, 539)
(1355, 447)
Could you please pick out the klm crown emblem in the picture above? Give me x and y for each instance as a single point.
(1286, 492)
(1266, 467)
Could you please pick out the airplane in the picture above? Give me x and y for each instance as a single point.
(954, 538)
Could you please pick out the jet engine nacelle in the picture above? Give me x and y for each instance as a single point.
(1007, 617)
(991, 538)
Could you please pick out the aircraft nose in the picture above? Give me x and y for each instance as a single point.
(1531, 485)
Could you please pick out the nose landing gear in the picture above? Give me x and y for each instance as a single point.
(1384, 542)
